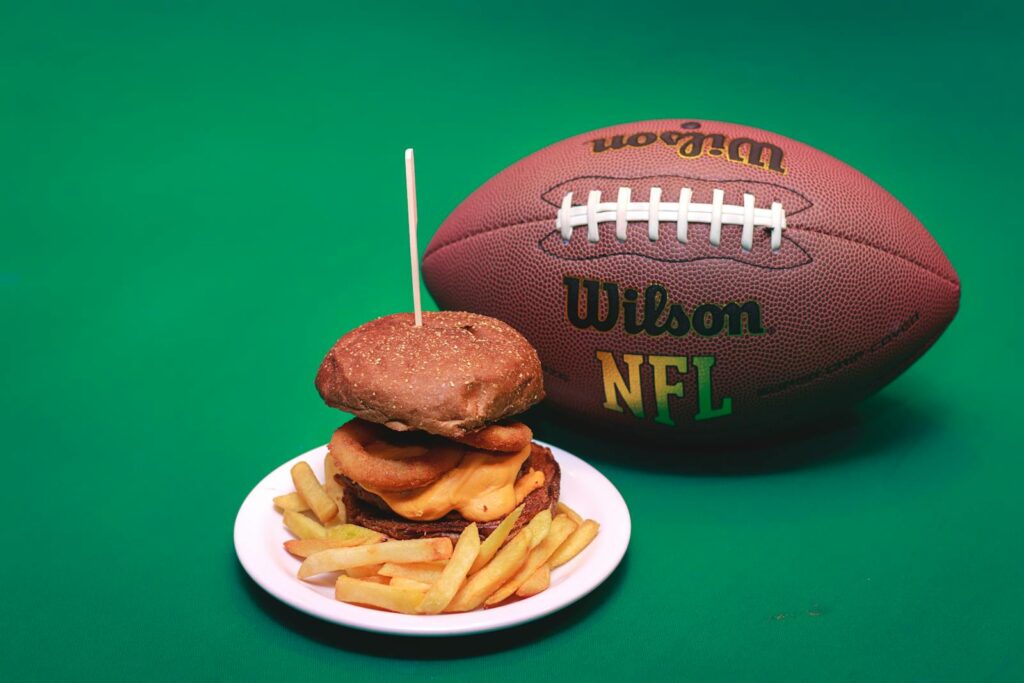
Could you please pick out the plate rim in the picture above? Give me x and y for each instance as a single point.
(560, 596)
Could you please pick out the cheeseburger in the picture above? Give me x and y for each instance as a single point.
(434, 445)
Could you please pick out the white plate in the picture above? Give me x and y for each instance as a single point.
(259, 535)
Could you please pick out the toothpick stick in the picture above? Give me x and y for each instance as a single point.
(410, 190)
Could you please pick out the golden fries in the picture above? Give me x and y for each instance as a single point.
(411, 584)
(364, 571)
(537, 583)
(490, 546)
(291, 501)
(425, 575)
(403, 600)
(308, 486)
(560, 529)
(336, 559)
(307, 546)
(564, 509)
(573, 545)
(538, 527)
(497, 572)
(447, 585)
(375, 578)
(302, 526)
(425, 572)
(334, 489)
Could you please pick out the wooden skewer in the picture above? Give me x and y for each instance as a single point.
(410, 190)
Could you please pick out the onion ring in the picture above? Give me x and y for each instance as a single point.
(376, 457)
(510, 437)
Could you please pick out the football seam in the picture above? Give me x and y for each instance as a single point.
(951, 281)
(807, 200)
(486, 231)
(477, 231)
(686, 260)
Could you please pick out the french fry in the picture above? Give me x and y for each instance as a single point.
(411, 584)
(561, 528)
(364, 572)
(447, 585)
(291, 501)
(307, 546)
(537, 583)
(336, 559)
(427, 575)
(302, 526)
(538, 527)
(334, 489)
(491, 544)
(308, 486)
(425, 572)
(377, 578)
(496, 573)
(579, 540)
(352, 531)
(564, 509)
(404, 600)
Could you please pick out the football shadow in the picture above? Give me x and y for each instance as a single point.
(432, 648)
(874, 427)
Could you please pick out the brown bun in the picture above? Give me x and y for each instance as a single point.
(454, 374)
(366, 509)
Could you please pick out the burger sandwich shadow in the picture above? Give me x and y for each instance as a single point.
(876, 426)
(436, 647)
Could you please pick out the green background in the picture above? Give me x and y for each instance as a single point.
(196, 199)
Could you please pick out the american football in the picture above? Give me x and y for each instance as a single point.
(696, 278)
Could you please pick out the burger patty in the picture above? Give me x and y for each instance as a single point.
(369, 510)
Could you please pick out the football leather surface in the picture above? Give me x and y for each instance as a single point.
(689, 278)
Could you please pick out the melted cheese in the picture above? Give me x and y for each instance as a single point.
(481, 488)
(527, 484)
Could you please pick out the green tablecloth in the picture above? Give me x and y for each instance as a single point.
(196, 199)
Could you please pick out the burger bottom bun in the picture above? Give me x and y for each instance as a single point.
(366, 509)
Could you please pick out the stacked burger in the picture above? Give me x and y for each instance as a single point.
(433, 446)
